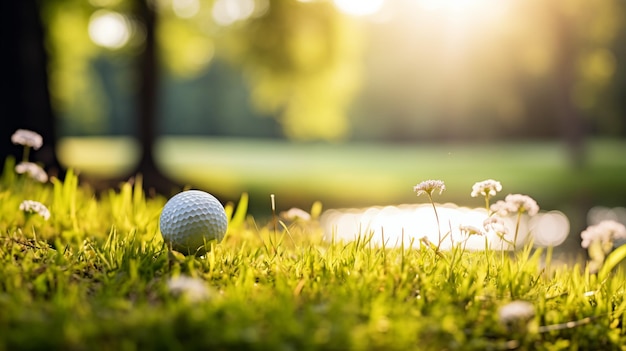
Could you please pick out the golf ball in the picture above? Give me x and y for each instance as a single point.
(190, 218)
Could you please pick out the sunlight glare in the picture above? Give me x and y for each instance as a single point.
(359, 7)
(406, 224)
(451, 5)
(465, 8)
(549, 229)
(185, 8)
(109, 29)
(227, 12)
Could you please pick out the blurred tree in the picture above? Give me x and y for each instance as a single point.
(572, 125)
(488, 72)
(298, 57)
(301, 59)
(70, 25)
(25, 94)
(148, 87)
(480, 70)
(303, 62)
(75, 95)
(584, 36)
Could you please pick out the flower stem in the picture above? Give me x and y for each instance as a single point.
(26, 153)
(438, 223)
(519, 219)
(487, 204)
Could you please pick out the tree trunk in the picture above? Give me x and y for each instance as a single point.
(571, 123)
(25, 90)
(153, 178)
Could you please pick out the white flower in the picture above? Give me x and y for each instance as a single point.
(193, 289)
(606, 232)
(470, 230)
(495, 224)
(27, 138)
(502, 208)
(516, 313)
(515, 203)
(33, 170)
(428, 186)
(487, 187)
(296, 214)
(31, 206)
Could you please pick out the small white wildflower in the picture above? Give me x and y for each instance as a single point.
(33, 170)
(428, 186)
(31, 206)
(470, 230)
(502, 208)
(487, 187)
(294, 214)
(192, 289)
(27, 138)
(516, 203)
(495, 224)
(516, 314)
(606, 232)
(524, 203)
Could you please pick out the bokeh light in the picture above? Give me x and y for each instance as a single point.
(406, 224)
(359, 7)
(109, 29)
(549, 229)
(186, 8)
(227, 12)
(458, 5)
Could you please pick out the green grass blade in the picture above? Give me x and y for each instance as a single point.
(239, 217)
(612, 260)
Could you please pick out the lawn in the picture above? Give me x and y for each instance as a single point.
(96, 275)
(92, 272)
(364, 174)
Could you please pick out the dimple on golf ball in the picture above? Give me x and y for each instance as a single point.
(190, 218)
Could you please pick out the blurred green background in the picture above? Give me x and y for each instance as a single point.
(351, 102)
(410, 71)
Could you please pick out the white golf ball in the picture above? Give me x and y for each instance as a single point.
(190, 218)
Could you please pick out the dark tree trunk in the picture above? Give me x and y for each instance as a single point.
(148, 85)
(24, 84)
(571, 122)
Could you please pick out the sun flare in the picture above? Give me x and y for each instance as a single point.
(359, 7)
(468, 9)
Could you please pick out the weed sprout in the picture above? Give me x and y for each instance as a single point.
(28, 139)
(30, 206)
(428, 187)
(33, 170)
(486, 188)
(599, 240)
(517, 204)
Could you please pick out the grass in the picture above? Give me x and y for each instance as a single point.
(363, 174)
(97, 275)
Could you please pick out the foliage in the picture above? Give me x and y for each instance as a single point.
(492, 72)
(300, 59)
(492, 69)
